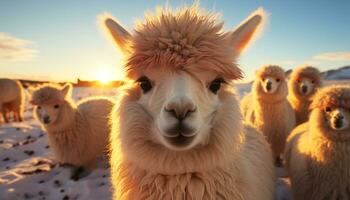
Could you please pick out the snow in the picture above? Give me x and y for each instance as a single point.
(29, 171)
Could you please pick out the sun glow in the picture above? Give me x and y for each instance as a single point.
(104, 77)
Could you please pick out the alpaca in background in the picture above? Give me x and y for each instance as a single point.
(303, 83)
(318, 151)
(78, 134)
(177, 130)
(267, 108)
(11, 99)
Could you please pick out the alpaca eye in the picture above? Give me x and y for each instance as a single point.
(39, 107)
(299, 81)
(312, 82)
(278, 80)
(56, 106)
(145, 84)
(328, 109)
(263, 79)
(216, 84)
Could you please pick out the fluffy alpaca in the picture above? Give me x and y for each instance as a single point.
(77, 134)
(303, 83)
(177, 130)
(268, 109)
(11, 99)
(318, 151)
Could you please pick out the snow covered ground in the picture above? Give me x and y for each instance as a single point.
(29, 171)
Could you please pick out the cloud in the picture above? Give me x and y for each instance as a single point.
(15, 49)
(333, 56)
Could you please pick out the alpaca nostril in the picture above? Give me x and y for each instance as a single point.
(180, 114)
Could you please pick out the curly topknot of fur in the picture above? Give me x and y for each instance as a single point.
(334, 96)
(47, 94)
(308, 72)
(271, 70)
(182, 39)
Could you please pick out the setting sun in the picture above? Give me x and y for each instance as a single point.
(104, 77)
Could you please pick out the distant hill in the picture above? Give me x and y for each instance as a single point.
(341, 73)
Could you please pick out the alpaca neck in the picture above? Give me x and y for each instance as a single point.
(301, 102)
(324, 149)
(66, 119)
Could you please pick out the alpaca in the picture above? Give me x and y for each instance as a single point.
(177, 131)
(303, 83)
(268, 109)
(318, 151)
(11, 99)
(77, 134)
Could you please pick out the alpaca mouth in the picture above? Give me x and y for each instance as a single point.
(180, 140)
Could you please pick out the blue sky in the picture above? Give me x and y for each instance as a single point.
(60, 40)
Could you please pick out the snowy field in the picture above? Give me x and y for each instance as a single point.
(29, 171)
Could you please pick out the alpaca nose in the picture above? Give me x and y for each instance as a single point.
(304, 88)
(268, 86)
(46, 119)
(180, 109)
(338, 122)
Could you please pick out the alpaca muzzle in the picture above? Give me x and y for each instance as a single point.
(304, 89)
(46, 119)
(338, 122)
(268, 86)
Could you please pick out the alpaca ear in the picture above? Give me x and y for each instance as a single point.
(67, 90)
(248, 30)
(116, 32)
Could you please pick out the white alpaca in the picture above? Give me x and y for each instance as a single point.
(77, 134)
(177, 130)
(268, 109)
(318, 151)
(11, 99)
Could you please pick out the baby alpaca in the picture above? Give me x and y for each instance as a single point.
(177, 129)
(11, 99)
(318, 151)
(303, 84)
(77, 134)
(268, 109)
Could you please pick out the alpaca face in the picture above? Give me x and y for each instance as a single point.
(306, 86)
(337, 118)
(182, 106)
(48, 113)
(270, 84)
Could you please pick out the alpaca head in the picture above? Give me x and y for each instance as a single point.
(331, 112)
(181, 62)
(270, 83)
(48, 101)
(305, 81)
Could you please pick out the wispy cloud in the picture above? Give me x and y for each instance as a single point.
(333, 56)
(15, 49)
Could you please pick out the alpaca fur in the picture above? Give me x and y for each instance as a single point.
(80, 133)
(11, 99)
(317, 155)
(271, 113)
(233, 162)
(301, 103)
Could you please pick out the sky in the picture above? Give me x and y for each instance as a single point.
(61, 41)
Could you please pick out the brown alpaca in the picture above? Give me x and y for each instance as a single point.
(318, 151)
(11, 99)
(177, 131)
(303, 83)
(268, 109)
